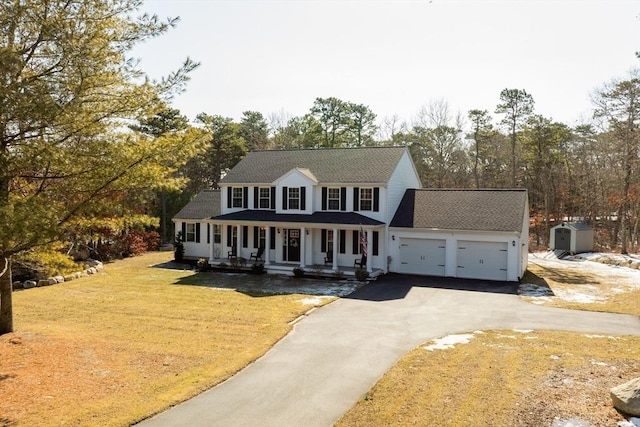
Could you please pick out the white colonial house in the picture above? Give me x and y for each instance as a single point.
(322, 208)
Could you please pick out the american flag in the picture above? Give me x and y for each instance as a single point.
(363, 241)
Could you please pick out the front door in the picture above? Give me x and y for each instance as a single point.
(291, 245)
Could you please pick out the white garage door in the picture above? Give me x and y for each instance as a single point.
(482, 260)
(422, 256)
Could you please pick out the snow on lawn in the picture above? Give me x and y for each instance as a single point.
(600, 280)
(448, 342)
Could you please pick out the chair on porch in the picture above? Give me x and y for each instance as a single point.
(233, 253)
(328, 259)
(257, 255)
(362, 262)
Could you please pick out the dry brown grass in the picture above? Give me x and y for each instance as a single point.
(603, 286)
(113, 348)
(503, 378)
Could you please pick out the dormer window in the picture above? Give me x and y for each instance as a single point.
(294, 197)
(237, 197)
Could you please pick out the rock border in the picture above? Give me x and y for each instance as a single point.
(93, 267)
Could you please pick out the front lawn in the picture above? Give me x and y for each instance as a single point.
(116, 347)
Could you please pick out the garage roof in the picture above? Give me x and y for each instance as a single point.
(477, 210)
(205, 205)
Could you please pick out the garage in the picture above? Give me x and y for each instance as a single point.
(482, 260)
(422, 256)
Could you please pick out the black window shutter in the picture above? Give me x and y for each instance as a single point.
(256, 236)
(273, 198)
(356, 199)
(375, 243)
(343, 241)
(303, 198)
(376, 199)
(208, 233)
(229, 232)
(255, 198)
(323, 241)
(324, 199)
(245, 197)
(356, 241)
(245, 236)
(184, 231)
(229, 196)
(285, 201)
(343, 198)
(197, 232)
(272, 243)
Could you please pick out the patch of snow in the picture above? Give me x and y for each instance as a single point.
(631, 422)
(573, 295)
(313, 301)
(449, 341)
(532, 290)
(599, 336)
(554, 357)
(598, 363)
(571, 422)
(511, 337)
(523, 331)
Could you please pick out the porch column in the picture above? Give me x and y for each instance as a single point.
(303, 243)
(238, 240)
(369, 250)
(211, 242)
(334, 267)
(267, 243)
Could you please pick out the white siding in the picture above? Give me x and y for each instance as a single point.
(403, 177)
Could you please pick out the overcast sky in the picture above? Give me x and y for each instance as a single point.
(394, 56)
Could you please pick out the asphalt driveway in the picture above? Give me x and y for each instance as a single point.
(337, 353)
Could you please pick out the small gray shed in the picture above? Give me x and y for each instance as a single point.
(573, 237)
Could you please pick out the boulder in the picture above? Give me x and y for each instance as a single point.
(59, 279)
(43, 282)
(28, 284)
(626, 397)
(68, 277)
(52, 281)
(16, 285)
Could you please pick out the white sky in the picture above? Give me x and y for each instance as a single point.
(394, 56)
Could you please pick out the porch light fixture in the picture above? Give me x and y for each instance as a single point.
(278, 231)
(513, 243)
(393, 237)
(307, 231)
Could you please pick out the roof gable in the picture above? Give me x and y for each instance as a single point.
(477, 210)
(206, 204)
(303, 172)
(328, 165)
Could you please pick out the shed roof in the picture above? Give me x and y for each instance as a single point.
(329, 165)
(477, 210)
(206, 204)
(577, 226)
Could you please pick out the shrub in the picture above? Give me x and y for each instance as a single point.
(44, 262)
(178, 247)
(362, 274)
(298, 272)
(257, 268)
(338, 274)
(203, 265)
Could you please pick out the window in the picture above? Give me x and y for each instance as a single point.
(217, 236)
(237, 197)
(262, 237)
(366, 199)
(294, 198)
(329, 241)
(333, 199)
(264, 198)
(191, 233)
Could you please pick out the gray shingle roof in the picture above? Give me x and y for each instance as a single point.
(205, 205)
(329, 165)
(477, 210)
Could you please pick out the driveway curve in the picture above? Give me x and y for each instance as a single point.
(337, 353)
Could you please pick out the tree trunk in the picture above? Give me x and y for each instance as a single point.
(6, 305)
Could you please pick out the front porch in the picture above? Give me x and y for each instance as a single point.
(287, 268)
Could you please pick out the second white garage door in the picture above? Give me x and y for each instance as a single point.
(482, 260)
(422, 256)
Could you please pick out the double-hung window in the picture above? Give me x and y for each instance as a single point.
(264, 198)
(237, 197)
(366, 199)
(294, 197)
(333, 199)
(217, 237)
(190, 233)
